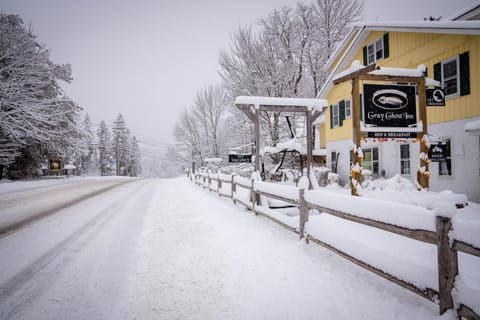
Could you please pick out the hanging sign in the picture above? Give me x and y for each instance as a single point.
(389, 106)
(437, 152)
(435, 97)
(405, 135)
(237, 158)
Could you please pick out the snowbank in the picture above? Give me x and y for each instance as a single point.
(466, 225)
(406, 259)
(288, 216)
(403, 215)
(284, 191)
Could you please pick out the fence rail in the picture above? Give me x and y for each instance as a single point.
(447, 258)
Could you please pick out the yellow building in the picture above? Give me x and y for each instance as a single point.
(447, 51)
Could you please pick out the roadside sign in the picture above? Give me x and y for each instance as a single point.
(389, 106)
(438, 152)
(237, 158)
(435, 97)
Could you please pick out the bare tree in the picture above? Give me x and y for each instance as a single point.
(287, 55)
(187, 133)
(210, 107)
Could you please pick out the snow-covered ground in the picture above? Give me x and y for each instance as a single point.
(167, 249)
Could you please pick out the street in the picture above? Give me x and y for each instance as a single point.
(166, 249)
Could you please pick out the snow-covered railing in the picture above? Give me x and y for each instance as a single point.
(406, 220)
(243, 194)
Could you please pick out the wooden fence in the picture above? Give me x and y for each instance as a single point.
(447, 259)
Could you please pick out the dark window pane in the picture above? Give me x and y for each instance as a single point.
(404, 151)
(370, 49)
(451, 86)
(375, 168)
(445, 168)
(405, 166)
(450, 69)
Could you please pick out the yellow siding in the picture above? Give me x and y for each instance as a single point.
(408, 50)
(323, 141)
(338, 93)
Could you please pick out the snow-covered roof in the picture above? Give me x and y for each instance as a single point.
(356, 37)
(289, 145)
(473, 127)
(456, 27)
(473, 10)
(311, 104)
(388, 71)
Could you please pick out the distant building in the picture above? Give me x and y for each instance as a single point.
(450, 51)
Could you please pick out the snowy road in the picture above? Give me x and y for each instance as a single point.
(166, 249)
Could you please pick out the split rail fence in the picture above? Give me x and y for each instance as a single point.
(248, 192)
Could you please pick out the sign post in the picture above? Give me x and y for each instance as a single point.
(389, 111)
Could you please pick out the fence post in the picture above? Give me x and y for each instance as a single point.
(232, 188)
(219, 184)
(303, 184)
(253, 195)
(209, 180)
(447, 264)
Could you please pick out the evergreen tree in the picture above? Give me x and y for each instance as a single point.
(105, 156)
(88, 161)
(36, 118)
(121, 141)
(134, 166)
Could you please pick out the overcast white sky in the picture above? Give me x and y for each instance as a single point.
(147, 59)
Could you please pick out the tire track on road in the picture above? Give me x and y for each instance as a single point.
(12, 298)
(12, 226)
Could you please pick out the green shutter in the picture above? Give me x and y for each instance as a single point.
(386, 47)
(365, 61)
(464, 74)
(341, 110)
(437, 72)
(331, 117)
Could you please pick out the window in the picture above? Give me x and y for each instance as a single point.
(454, 75)
(377, 50)
(445, 166)
(404, 159)
(335, 116)
(451, 78)
(371, 53)
(370, 160)
(333, 164)
(348, 109)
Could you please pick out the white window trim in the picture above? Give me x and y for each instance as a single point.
(349, 101)
(370, 148)
(450, 176)
(336, 107)
(405, 159)
(457, 59)
(374, 44)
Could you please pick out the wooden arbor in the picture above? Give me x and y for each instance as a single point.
(372, 73)
(311, 108)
